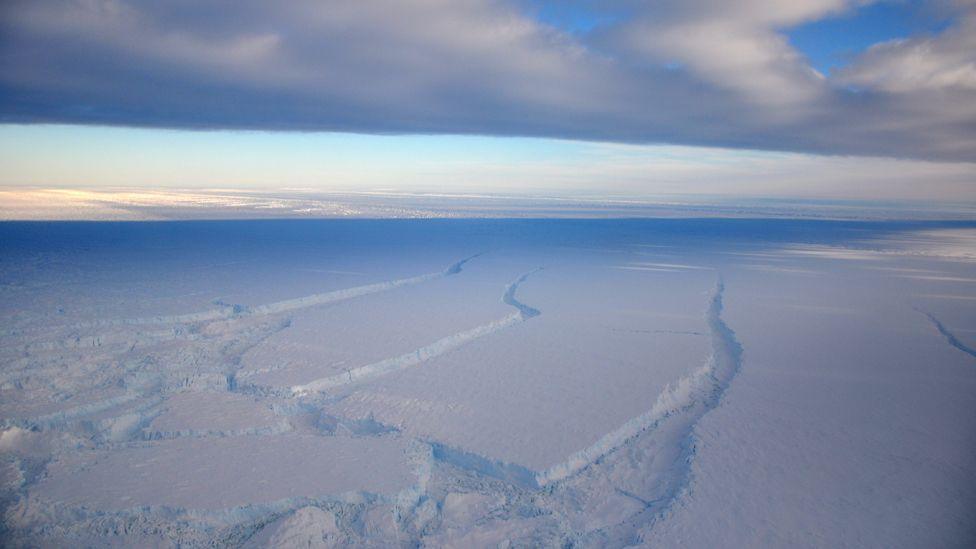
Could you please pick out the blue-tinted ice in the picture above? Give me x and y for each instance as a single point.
(696, 382)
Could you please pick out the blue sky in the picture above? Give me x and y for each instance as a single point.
(575, 17)
(828, 43)
(114, 158)
(617, 96)
(835, 41)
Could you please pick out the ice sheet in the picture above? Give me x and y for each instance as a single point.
(596, 383)
(534, 395)
(226, 472)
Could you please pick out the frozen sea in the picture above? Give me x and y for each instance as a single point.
(488, 383)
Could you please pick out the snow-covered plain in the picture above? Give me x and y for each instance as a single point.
(483, 383)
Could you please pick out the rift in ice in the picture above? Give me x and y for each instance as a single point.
(477, 382)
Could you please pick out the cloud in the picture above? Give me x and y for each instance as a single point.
(702, 72)
(931, 63)
(733, 45)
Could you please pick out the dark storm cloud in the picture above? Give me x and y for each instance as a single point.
(694, 72)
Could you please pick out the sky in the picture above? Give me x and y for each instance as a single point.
(809, 98)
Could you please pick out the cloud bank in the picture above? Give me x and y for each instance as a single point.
(695, 72)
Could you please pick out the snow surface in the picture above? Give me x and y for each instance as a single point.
(225, 472)
(482, 383)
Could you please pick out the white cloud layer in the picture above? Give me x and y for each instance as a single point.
(699, 72)
(931, 63)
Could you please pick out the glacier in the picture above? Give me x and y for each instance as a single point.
(694, 382)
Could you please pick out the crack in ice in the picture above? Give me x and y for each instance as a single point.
(229, 311)
(427, 352)
(950, 337)
(703, 387)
